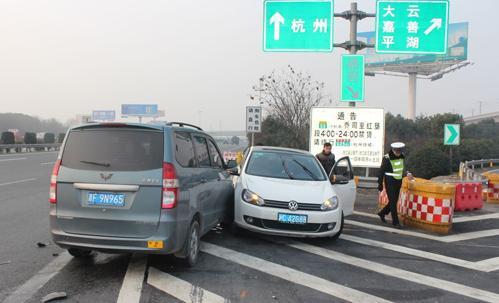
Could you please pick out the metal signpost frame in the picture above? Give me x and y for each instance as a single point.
(298, 25)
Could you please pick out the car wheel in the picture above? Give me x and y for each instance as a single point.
(79, 253)
(337, 235)
(193, 244)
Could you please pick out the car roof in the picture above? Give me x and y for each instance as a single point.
(281, 149)
(157, 125)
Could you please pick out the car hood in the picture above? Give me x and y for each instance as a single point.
(287, 190)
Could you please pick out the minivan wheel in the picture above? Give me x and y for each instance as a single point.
(193, 244)
(337, 235)
(79, 253)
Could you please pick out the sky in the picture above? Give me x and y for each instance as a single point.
(199, 59)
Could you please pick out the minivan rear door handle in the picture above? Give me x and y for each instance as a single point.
(110, 187)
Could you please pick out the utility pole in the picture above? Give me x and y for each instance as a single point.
(352, 45)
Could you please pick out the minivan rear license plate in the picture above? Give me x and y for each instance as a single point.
(106, 199)
(291, 218)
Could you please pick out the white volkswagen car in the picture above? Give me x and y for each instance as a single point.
(284, 191)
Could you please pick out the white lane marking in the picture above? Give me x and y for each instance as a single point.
(18, 181)
(181, 289)
(12, 159)
(47, 163)
(445, 239)
(475, 218)
(454, 220)
(131, 288)
(459, 289)
(30, 287)
(289, 274)
(485, 265)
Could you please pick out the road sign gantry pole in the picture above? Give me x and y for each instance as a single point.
(353, 45)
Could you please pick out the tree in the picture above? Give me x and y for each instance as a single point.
(427, 162)
(60, 137)
(234, 140)
(289, 97)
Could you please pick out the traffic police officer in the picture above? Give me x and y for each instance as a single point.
(391, 173)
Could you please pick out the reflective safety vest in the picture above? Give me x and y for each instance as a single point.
(398, 169)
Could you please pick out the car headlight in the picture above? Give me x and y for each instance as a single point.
(252, 198)
(330, 204)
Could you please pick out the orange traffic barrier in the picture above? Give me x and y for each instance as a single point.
(493, 188)
(427, 205)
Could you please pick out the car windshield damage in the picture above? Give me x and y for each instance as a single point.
(284, 165)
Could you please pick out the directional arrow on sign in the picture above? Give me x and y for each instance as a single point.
(436, 23)
(277, 19)
(453, 134)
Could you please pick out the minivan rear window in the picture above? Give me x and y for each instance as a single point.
(113, 149)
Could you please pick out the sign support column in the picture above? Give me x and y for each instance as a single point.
(353, 45)
(411, 111)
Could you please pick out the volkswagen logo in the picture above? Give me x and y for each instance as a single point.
(293, 205)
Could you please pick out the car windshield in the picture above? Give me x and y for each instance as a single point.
(284, 165)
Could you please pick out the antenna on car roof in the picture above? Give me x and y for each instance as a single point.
(182, 124)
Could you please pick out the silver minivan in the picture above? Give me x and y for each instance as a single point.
(151, 188)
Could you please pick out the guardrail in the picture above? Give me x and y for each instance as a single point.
(7, 148)
(368, 182)
(467, 169)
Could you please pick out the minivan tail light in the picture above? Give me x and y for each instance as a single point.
(53, 182)
(169, 197)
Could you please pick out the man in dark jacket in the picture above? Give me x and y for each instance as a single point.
(326, 158)
(391, 173)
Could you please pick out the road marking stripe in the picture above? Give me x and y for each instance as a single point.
(181, 289)
(475, 218)
(18, 181)
(454, 219)
(425, 255)
(47, 163)
(131, 288)
(12, 159)
(30, 287)
(291, 275)
(445, 239)
(459, 289)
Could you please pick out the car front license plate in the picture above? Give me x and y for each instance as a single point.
(292, 218)
(106, 199)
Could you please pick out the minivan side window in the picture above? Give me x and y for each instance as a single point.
(216, 159)
(184, 150)
(202, 154)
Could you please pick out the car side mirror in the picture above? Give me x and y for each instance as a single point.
(233, 171)
(231, 164)
(338, 179)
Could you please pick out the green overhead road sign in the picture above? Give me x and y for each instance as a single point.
(352, 78)
(414, 27)
(452, 134)
(298, 26)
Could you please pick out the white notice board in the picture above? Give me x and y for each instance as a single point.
(357, 132)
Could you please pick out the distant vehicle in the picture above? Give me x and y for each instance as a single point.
(150, 188)
(286, 192)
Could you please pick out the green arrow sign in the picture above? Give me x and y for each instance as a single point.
(452, 134)
(295, 26)
(417, 26)
(352, 78)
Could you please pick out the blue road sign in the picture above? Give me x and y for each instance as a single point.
(103, 115)
(150, 110)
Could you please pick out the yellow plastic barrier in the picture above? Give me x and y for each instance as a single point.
(493, 188)
(427, 205)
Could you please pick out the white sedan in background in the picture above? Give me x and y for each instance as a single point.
(284, 191)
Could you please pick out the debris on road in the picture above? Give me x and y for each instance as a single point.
(41, 244)
(54, 296)
(5, 262)
(55, 255)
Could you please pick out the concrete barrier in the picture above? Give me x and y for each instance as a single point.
(23, 148)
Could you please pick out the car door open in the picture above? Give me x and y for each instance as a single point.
(341, 177)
